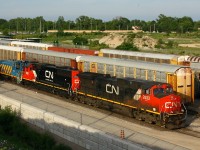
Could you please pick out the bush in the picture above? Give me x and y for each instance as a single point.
(96, 45)
(80, 41)
(170, 44)
(127, 46)
(7, 119)
(11, 127)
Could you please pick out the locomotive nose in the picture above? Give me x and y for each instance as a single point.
(172, 104)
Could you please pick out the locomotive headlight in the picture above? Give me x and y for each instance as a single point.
(182, 110)
(171, 97)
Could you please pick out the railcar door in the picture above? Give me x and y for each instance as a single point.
(185, 84)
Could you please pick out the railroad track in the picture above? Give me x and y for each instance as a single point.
(191, 116)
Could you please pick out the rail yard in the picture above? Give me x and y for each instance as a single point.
(159, 89)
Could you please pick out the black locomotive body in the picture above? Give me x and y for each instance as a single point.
(119, 90)
(57, 77)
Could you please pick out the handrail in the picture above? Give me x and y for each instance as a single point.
(185, 111)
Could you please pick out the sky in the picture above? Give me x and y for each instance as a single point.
(106, 10)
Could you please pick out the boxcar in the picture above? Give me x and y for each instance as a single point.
(195, 65)
(31, 45)
(75, 50)
(10, 53)
(149, 57)
(51, 57)
(6, 42)
(180, 77)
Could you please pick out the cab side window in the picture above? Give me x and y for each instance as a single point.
(147, 91)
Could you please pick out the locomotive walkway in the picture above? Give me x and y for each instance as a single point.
(89, 128)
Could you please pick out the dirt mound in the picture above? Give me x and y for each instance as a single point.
(115, 39)
(145, 42)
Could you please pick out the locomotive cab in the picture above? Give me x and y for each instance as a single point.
(29, 72)
(161, 98)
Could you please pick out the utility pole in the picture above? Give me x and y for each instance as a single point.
(40, 26)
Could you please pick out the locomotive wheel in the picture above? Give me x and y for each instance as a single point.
(130, 113)
(97, 104)
(170, 126)
(150, 118)
(110, 107)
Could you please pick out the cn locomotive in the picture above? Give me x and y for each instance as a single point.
(150, 101)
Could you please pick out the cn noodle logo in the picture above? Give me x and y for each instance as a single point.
(49, 75)
(172, 104)
(111, 89)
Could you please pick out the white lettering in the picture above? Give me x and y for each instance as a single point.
(111, 89)
(49, 75)
(146, 97)
(171, 104)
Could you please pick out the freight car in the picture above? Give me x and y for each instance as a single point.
(147, 100)
(75, 50)
(51, 57)
(195, 65)
(142, 56)
(31, 45)
(11, 53)
(180, 77)
(6, 42)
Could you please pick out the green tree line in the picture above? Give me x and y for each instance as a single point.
(39, 24)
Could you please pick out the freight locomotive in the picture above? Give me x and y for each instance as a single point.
(180, 77)
(150, 101)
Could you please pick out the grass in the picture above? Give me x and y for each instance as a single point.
(15, 134)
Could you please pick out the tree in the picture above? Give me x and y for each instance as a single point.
(186, 24)
(166, 24)
(80, 41)
(3, 23)
(118, 23)
(84, 23)
(196, 25)
(61, 23)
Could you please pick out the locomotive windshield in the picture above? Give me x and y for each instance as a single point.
(161, 92)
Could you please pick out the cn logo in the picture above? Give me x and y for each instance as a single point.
(112, 89)
(48, 74)
(172, 104)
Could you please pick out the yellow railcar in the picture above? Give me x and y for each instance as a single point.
(10, 53)
(143, 56)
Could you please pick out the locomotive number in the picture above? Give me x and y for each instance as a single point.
(112, 89)
(146, 97)
(49, 75)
